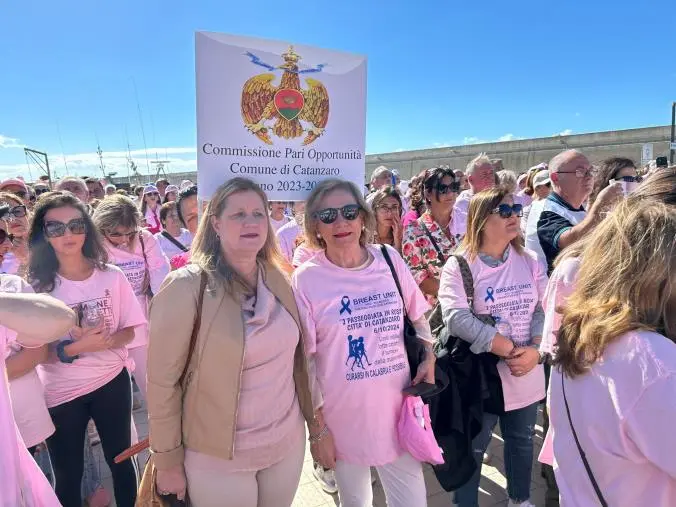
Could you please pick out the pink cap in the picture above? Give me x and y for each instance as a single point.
(16, 182)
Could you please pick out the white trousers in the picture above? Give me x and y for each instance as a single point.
(272, 487)
(402, 481)
(140, 357)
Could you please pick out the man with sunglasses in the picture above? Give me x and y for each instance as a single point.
(17, 187)
(561, 219)
(480, 173)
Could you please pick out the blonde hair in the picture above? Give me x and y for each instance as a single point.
(115, 211)
(206, 251)
(625, 282)
(478, 161)
(480, 208)
(314, 201)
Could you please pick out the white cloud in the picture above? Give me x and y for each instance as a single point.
(441, 145)
(501, 139)
(507, 137)
(9, 142)
(566, 132)
(473, 140)
(114, 161)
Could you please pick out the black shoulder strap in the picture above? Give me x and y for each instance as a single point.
(434, 242)
(383, 249)
(176, 242)
(599, 494)
(467, 279)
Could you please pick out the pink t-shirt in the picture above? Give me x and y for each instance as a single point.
(509, 292)
(353, 322)
(303, 253)
(133, 266)
(27, 392)
(153, 220)
(561, 285)
(21, 481)
(623, 411)
(107, 295)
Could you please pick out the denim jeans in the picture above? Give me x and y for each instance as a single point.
(517, 427)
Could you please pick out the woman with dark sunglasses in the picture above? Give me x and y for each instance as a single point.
(150, 208)
(17, 218)
(354, 340)
(138, 254)
(431, 239)
(86, 376)
(509, 284)
(615, 169)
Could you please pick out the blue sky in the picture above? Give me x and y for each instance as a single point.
(439, 72)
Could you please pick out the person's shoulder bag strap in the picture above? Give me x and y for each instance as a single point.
(383, 249)
(145, 443)
(434, 242)
(599, 494)
(173, 240)
(146, 276)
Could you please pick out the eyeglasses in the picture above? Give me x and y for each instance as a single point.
(581, 172)
(40, 191)
(152, 194)
(389, 209)
(4, 236)
(329, 215)
(58, 229)
(21, 194)
(450, 188)
(118, 235)
(17, 212)
(506, 211)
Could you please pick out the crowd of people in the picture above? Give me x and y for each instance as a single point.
(249, 325)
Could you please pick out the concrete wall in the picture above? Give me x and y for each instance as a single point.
(520, 155)
(516, 155)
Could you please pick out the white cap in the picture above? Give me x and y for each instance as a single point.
(541, 178)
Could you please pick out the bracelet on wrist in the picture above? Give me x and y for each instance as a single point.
(319, 436)
(61, 352)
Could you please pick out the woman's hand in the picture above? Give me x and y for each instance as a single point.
(397, 233)
(425, 371)
(93, 339)
(171, 482)
(324, 451)
(522, 360)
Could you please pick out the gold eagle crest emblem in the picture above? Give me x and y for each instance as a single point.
(286, 111)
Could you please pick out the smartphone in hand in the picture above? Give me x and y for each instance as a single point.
(422, 389)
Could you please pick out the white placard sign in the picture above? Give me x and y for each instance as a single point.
(286, 116)
(647, 152)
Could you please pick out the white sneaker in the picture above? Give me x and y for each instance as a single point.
(521, 504)
(326, 479)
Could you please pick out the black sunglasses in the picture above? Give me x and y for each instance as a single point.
(4, 236)
(329, 215)
(40, 191)
(630, 179)
(18, 211)
(58, 229)
(506, 211)
(450, 188)
(117, 235)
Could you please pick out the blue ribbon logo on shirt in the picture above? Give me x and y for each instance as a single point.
(345, 304)
(489, 295)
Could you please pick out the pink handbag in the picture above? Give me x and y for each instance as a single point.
(415, 431)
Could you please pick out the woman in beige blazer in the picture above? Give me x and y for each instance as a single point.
(233, 434)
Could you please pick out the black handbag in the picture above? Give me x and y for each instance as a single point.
(415, 349)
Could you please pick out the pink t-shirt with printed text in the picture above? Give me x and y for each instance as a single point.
(510, 293)
(623, 411)
(106, 295)
(353, 322)
(27, 392)
(133, 265)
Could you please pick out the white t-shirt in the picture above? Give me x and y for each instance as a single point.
(105, 294)
(277, 224)
(169, 249)
(27, 392)
(287, 236)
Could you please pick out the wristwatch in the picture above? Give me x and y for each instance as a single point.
(61, 352)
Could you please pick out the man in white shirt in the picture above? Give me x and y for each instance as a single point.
(480, 176)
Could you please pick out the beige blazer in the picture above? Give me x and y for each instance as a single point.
(201, 414)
